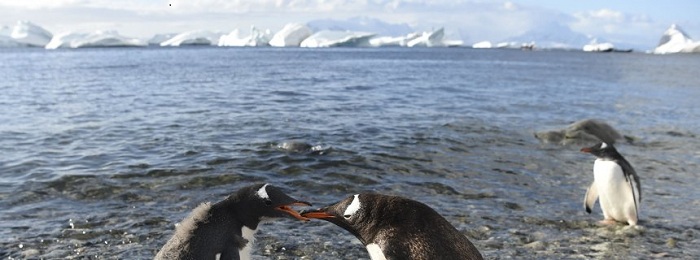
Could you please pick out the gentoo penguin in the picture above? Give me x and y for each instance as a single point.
(616, 183)
(393, 227)
(225, 230)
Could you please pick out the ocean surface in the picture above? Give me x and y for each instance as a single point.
(103, 151)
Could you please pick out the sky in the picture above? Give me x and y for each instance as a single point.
(638, 22)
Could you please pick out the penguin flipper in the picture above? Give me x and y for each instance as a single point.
(591, 197)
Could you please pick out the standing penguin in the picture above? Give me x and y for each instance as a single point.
(616, 183)
(225, 230)
(397, 228)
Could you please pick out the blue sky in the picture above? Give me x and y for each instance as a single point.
(639, 22)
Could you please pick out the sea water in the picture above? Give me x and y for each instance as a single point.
(103, 151)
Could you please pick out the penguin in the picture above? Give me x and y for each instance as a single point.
(393, 227)
(225, 230)
(615, 184)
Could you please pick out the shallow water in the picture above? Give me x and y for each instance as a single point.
(104, 150)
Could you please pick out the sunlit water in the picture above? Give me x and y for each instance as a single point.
(102, 151)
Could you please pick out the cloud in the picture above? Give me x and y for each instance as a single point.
(616, 26)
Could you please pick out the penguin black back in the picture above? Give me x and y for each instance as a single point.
(225, 229)
(605, 151)
(401, 228)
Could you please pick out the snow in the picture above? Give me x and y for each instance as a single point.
(93, 39)
(199, 37)
(291, 35)
(328, 38)
(256, 38)
(675, 40)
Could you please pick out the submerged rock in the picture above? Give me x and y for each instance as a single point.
(581, 132)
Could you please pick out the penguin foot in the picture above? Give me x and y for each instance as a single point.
(607, 222)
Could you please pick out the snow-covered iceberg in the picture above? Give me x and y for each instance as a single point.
(24, 33)
(193, 38)
(256, 38)
(328, 38)
(429, 39)
(5, 38)
(594, 46)
(482, 45)
(291, 35)
(64, 40)
(27, 33)
(160, 38)
(389, 41)
(675, 40)
(93, 40)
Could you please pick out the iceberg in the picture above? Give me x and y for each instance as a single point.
(594, 46)
(482, 45)
(256, 38)
(64, 40)
(675, 40)
(291, 35)
(5, 38)
(327, 38)
(429, 39)
(93, 40)
(389, 41)
(25, 33)
(193, 38)
(159, 38)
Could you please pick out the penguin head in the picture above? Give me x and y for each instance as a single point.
(363, 215)
(263, 201)
(601, 150)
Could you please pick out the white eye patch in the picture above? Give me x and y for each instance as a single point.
(262, 192)
(353, 207)
(603, 146)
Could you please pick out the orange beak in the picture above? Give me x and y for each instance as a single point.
(317, 215)
(288, 209)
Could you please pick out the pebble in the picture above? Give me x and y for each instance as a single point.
(537, 245)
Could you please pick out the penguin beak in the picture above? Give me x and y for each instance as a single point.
(317, 214)
(288, 209)
(586, 150)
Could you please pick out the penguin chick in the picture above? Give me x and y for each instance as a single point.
(394, 227)
(615, 184)
(225, 230)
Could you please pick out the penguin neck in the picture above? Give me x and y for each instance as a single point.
(375, 252)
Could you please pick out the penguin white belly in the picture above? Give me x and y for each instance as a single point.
(615, 194)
